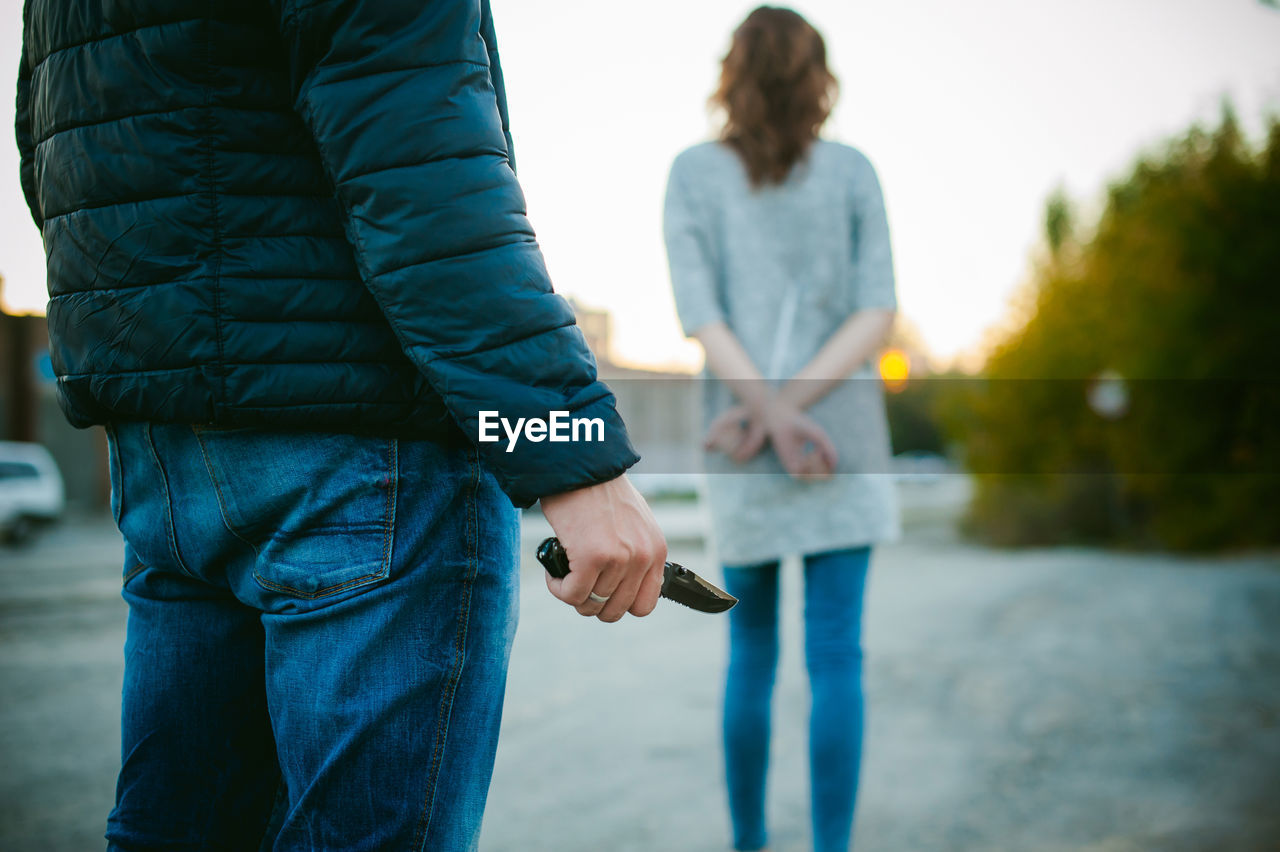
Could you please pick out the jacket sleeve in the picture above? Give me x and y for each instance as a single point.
(490, 37)
(26, 148)
(404, 106)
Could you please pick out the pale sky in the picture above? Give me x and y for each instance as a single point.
(971, 112)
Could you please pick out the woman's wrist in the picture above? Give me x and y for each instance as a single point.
(794, 395)
(779, 411)
(770, 408)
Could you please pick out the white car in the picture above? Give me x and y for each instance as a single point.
(31, 491)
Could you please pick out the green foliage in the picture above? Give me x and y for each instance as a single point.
(913, 416)
(1178, 291)
(1058, 222)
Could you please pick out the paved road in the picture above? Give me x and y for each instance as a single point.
(1024, 700)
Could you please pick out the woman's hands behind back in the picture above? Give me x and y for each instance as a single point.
(802, 446)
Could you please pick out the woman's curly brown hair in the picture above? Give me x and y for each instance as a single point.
(776, 92)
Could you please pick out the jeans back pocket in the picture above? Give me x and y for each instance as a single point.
(318, 509)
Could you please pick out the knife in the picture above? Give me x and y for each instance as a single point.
(678, 582)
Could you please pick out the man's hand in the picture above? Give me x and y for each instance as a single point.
(615, 549)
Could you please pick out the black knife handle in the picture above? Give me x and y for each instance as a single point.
(552, 556)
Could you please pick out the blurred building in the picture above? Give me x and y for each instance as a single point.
(662, 408)
(29, 412)
(24, 340)
(596, 326)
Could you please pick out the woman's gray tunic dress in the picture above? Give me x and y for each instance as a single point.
(784, 266)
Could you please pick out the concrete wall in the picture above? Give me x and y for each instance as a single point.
(29, 412)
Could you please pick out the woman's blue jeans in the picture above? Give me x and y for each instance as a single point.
(833, 590)
(318, 636)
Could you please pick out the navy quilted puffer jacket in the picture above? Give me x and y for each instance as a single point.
(296, 214)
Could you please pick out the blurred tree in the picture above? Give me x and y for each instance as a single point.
(1177, 290)
(912, 407)
(1057, 220)
(913, 416)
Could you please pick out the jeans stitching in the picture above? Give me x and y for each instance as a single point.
(133, 572)
(113, 462)
(168, 504)
(328, 591)
(393, 487)
(217, 488)
(459, 657)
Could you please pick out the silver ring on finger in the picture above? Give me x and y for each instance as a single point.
(598, 598)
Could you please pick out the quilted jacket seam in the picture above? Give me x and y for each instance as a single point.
(150, 112)
(210, 167)
(22, 128)
(249, 362)
(97, 39)
(420, 162)
(163, 282)
(310, 235)
(365, 75)
(416, 402)
(345, 319)
(357, 244)
(193, 194)
(262, 276)
(501, 344)
(458, 256)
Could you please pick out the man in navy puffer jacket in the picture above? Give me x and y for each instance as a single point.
(290, 271)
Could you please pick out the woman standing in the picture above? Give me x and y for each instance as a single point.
(780, 261)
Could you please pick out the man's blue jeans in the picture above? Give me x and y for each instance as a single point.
(833, 591)
(318, 636)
